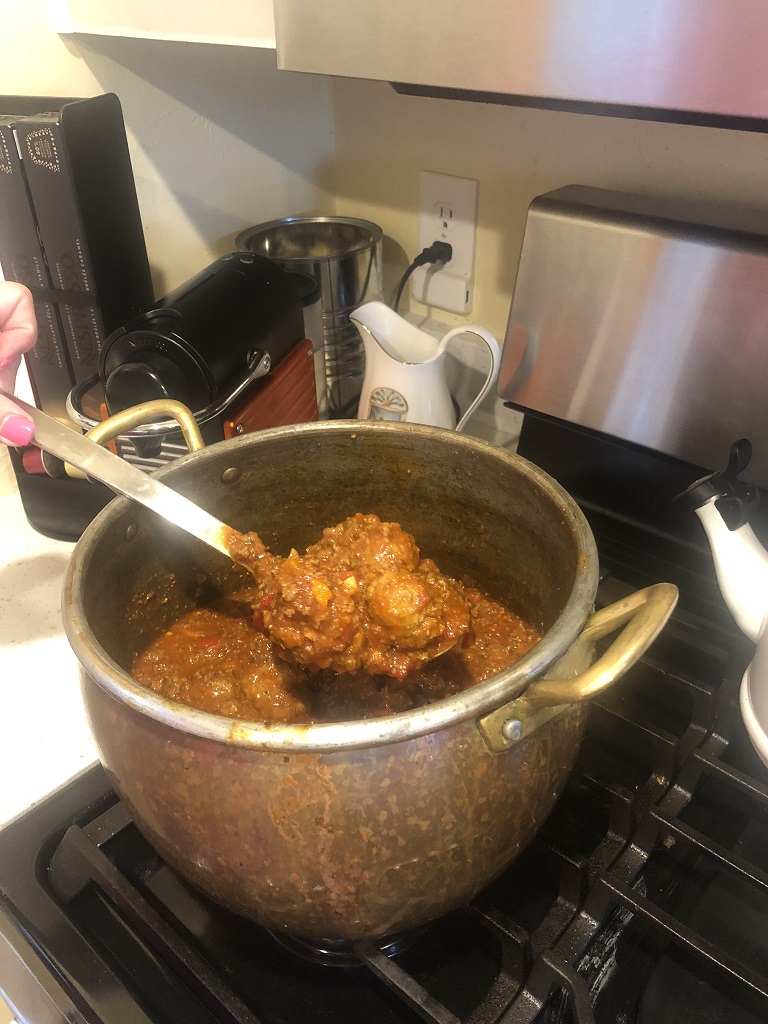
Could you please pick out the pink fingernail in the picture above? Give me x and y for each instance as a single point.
(6, 362)
(17, 429)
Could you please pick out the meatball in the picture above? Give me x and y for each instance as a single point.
(361, 597)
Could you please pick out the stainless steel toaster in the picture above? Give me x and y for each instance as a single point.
(645, 319)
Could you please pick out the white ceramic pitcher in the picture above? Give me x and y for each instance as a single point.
(405, 369)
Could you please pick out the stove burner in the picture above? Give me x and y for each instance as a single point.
(648, 881)
(342, 952)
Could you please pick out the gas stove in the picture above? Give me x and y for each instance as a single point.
(644, 897)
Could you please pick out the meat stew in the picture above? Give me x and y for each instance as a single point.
(380, 656)
(359, 598)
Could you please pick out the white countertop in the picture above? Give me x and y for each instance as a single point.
(44, 735)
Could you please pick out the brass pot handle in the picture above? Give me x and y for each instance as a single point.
(642, 616)
(145, 412)
(127, 419)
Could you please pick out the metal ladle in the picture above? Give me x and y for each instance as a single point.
(83, 452)
(86, 454)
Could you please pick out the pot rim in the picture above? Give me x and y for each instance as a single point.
(405, 725)
(376, 234)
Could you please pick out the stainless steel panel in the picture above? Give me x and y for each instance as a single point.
(633, 320)
(705, 56)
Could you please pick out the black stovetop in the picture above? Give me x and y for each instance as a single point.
(643, 899)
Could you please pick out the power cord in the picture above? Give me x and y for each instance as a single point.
(438, 252)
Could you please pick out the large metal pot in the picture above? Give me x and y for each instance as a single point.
(359, 829)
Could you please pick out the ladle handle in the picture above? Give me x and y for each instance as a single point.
(71, 446)
(493, 371)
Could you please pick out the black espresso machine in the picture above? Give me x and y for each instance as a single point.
(644, 897)
(230, 343)
(210, 344)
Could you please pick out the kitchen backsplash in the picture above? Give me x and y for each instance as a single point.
(384, 140)
(220, 140)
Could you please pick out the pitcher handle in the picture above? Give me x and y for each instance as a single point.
(493, 372)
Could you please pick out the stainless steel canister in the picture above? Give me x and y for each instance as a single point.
(344, 256)
(311, 299)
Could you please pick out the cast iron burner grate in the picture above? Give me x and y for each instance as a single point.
(676, 928)
(644, 897)
(551, 882)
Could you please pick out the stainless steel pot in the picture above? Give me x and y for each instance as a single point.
(343, 255)
(366, 828)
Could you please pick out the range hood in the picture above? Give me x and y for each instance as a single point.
(701, 62)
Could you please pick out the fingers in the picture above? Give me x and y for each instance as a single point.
(15, 427)
(18, 333)
(18, 327)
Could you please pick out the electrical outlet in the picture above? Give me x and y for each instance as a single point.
(447, 213)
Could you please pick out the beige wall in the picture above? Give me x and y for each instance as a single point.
(219, 138)
(384, 140)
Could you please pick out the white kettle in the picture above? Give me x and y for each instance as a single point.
(741, 564)
(405, 372)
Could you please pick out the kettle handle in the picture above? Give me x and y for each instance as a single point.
(493, 371)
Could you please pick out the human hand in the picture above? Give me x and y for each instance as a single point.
(18, 333)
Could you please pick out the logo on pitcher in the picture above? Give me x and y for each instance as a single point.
(387, 404)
